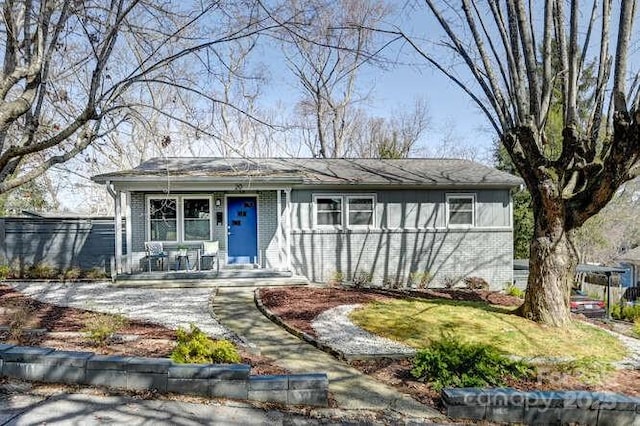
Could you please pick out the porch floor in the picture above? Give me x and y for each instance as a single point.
(226, 277)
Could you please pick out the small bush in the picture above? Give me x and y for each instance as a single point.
(419, 279)
(625, 313)
(5, 272)
(196, 347)
(95, 273)
(71, 274)
(636, 327)
(476, 283)
(590, 370)
(450, 362)
(43, 271)
(449, 282)
(100, 328)
(361, 278)
(19, 313)
(514, 291)
(336, 279)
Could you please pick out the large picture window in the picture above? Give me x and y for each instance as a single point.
(163, 219)
(460, 210)
(179, 218)
(197, 219)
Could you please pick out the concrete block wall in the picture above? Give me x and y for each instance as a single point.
(504, 405)
(394, 254)
(160, 374)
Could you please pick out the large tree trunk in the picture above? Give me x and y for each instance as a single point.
(552, 266)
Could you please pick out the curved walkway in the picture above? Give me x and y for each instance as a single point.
(235, 309)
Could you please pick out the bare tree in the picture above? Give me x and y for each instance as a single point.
(75, 71)
(325, 57)
(513, 83)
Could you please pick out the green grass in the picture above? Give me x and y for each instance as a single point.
(418, 323)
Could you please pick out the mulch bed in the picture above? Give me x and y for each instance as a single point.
(64, 327)
(299, 306)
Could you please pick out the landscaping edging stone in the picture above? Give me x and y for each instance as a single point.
(506, 405)
(161, 374)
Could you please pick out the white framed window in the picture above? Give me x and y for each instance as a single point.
(196, 218)
(360, 210)
(348, 210)
(328, 210)
(461, 210)
(179, 218)
(163, 219)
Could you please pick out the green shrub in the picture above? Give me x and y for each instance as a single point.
(514, 291)
(5, 271)
(100, 328)
(626, 313)
(636, 327)
(42, 270)
(590, 369)
(419, 279)
(450, 362)
(196, 347)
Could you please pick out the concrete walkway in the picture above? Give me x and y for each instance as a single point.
(235, 309)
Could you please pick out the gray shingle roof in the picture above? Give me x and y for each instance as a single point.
(314, 171)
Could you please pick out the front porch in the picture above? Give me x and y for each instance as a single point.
(226, 277)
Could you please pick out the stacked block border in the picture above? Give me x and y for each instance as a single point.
(161, 374)
(506, 405)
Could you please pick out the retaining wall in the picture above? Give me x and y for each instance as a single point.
(506, 405)
(162, 375)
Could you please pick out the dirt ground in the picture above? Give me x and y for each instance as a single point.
(298, 306)
(63, 330)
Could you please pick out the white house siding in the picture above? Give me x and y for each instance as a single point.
(409, 235)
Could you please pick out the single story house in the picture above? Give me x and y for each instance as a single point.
(322, 218)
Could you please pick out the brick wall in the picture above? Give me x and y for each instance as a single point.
(393, 254)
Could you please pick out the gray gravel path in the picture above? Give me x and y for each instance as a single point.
(172, 308)
(334, 328)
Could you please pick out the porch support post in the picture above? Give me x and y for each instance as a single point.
(129, 232)
(287, 227)
(118, 230)
(279, 226)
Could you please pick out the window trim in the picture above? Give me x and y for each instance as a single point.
(461, 195)
(179, 199)
(316, 225)
(182, 221)
(371, 197)
(344, 212)
(148, 216)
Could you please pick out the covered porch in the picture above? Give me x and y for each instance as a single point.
(247, 217)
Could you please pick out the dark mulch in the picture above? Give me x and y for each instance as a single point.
(298, 306)
(64, 327)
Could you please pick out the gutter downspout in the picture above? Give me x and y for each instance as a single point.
(118, 228)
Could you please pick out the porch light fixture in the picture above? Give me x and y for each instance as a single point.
(218, 202)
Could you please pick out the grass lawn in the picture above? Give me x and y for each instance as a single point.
(417, 323)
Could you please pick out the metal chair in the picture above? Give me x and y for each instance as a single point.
(155, 251)
(210, 249)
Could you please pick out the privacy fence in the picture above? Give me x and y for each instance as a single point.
(62, 243)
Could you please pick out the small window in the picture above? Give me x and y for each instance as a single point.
(197, 217)
(163, 219)
(360, 211)
(329, 211)
(461, 209)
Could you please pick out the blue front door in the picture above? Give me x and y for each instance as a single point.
(242, 227)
